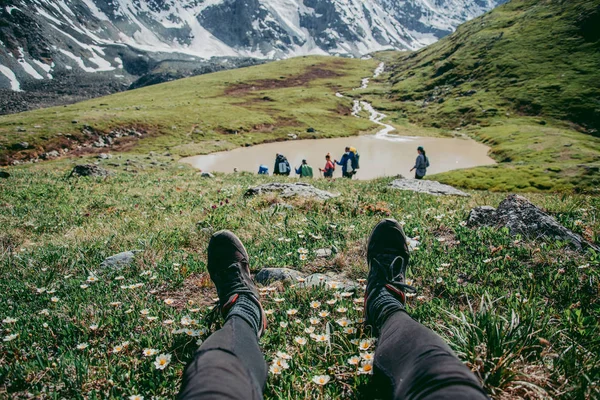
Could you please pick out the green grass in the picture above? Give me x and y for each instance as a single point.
(522, 78)
(539, 338)
(261, 103)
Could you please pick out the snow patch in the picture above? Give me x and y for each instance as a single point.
(9, 9)
(95, 10)
(14, 82)
(379, 70)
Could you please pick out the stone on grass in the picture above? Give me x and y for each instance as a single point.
(207, 175)
(521, 217)
(89, 170)
(269, 275)
(330, 279)
(4, 175)
(291, 189)
(104, 156)
(120, 260)
(323, 253)
(429, 187)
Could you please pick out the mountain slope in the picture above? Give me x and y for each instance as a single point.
(43, 39)
(527, 57)
(522, 78)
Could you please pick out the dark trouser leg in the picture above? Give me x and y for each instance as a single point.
(228, 365)
(419, 365)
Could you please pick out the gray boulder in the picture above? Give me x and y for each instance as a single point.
(482, 216)
(269, 275)
(120, 260)
(88, 170)
(429, 187)
(104, 156)
(207, 175)
(522, 217)
(291, 189)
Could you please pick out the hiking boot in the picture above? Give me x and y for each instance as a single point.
(228, 267)
(387, 256)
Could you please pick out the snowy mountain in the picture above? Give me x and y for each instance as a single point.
(41, 40)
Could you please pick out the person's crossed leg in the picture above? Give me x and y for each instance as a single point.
(412, 359)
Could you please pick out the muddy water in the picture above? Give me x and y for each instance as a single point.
(383, 155)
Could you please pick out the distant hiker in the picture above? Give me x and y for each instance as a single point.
(355, 161)
(304, 170)
(421, 164)
(263, 170)
(329, 167)
(347, 162)
(282, 166)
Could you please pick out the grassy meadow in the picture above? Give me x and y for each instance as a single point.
(206, 113)
(523, 315)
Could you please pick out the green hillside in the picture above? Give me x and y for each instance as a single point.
(203, 114)
(523, 78)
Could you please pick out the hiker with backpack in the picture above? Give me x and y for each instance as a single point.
(421, 164)
(304, 170)
(349, 162)
(329, 167)
(282, 166)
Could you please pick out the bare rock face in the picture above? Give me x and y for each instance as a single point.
(522, 217)
(429, 187)
(291, 189)
(89, 170)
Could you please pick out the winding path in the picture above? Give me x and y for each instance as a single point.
(374, 115)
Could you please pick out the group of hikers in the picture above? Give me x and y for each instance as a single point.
(349, 163)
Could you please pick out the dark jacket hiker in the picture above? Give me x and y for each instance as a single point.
(421, 164)
(282, 166)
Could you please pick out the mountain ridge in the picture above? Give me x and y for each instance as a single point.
(39, 38)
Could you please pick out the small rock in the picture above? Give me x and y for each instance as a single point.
(120, 260)
(429, 187)
(20, 129)
(20, 146)
(330, 279)
(89, 170)
(4, 175)
(311, 130)
(50, 154)
(293, 136)
(291, 189)
(323, 253)
(268, 275)
(207, 175)
(104, 156)
(74, 121)
(522, 217)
